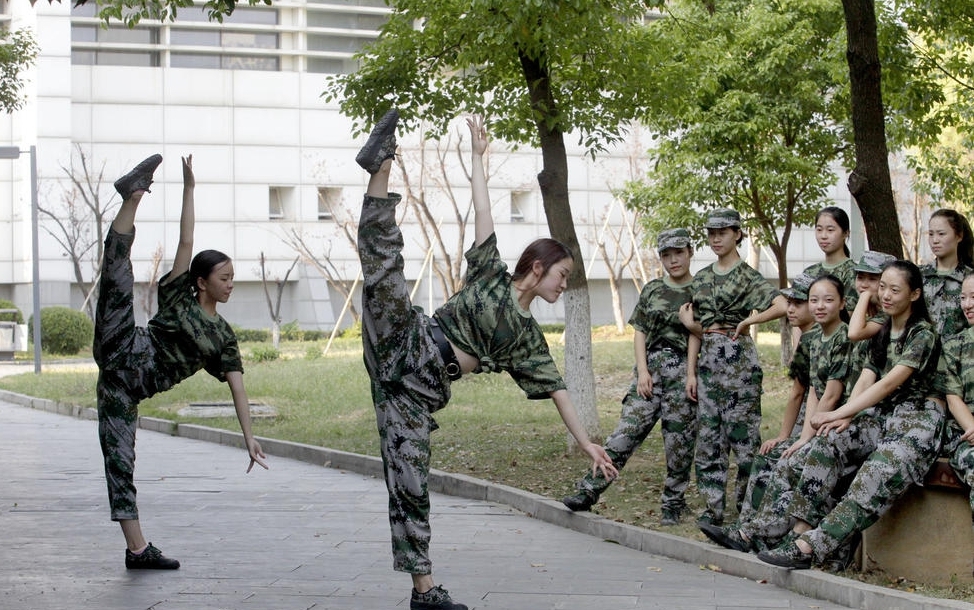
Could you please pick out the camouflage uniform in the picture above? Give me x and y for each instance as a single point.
(895, 444)
(407, 371)
(729, 378)
(829, 359)
(959, 366)
(656, 316)
(137, 362)
(846, 272)
(942, 293)
(764, 465)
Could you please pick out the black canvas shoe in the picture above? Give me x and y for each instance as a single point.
(580, 501)
(139, 178)
(728, 537)
(435, 599)
(149, 559)
(381, 144)
(787, 555)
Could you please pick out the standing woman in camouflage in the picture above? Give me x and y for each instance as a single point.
(831, 233)
(412, 358)
(185, 335)
(658, 392)
(950, 239)
(893, 445)
(724, 375)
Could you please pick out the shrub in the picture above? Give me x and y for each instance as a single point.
(313, 352)
(291, 331)
(64, 330)
(252, 335)
(17, 318)
(313, 335)
(552, 329)
(264, 353)
(354, 331)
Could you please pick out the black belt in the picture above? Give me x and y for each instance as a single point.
(446, 351)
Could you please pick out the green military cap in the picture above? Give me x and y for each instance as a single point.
(720, 219)
(873, 262)
(799, 287)
(672, 238)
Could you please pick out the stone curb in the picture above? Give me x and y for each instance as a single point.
(811, 583)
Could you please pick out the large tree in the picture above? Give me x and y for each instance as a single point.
(749, 111)
(537, 70)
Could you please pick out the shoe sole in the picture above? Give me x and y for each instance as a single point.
(386, 126)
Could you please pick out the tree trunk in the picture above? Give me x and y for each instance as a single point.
(870, 182)
(553, 181)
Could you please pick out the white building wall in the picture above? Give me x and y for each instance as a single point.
(250, 132)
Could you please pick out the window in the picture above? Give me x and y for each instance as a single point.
(520, 201)
(329, 199)
(279, 202)
(237, 44)
(116, 45)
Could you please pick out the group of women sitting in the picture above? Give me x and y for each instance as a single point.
(882, 385)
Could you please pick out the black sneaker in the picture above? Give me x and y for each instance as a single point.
(139, 178)
(583, 500)
(728, 537)
(435, 599)
(670, 515)
(381, 144)
(149, 559)
(787, 555)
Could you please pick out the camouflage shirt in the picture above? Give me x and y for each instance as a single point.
(941, 291)
(920, 350)
(726, 298)
(657, 315)
(958, 360)
(800, 366)
(830, 359)
(845, 271)
(484, 319)
(188, 339)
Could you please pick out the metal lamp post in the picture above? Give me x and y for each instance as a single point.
(14, 152)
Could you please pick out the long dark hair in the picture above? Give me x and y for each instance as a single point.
(957, 222)
(546, 250)
(203, 264)
(879, 344)
(839, 289)
(841, 218)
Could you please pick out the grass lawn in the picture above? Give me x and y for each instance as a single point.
(489, 430)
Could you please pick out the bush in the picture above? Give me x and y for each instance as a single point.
(252, 335)
(313, 352)
(64, 330)
(264, 353)
(291, 331)
(552, 329)
(353, 332)
(17, 318)
(313, 335)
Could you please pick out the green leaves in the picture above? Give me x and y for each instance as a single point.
(18, 50)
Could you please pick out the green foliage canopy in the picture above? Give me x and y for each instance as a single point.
(18, 50)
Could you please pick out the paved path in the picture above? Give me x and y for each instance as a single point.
(296, 537)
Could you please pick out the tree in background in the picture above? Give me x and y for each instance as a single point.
(78, 225)
(18, 50)
(536, 70)
(748, 106)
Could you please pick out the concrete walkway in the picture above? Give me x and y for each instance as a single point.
(306, 536)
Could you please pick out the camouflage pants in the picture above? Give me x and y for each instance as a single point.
(961, 456)
(408, 379)
(678, 422)
(729, 379)
(123, 353)
(764, 514)
(895, 451)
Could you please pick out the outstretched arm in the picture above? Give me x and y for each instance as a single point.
(187, 221)
(600, 459)
(483, 221)
(242, 405)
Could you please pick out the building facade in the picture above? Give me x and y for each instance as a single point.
(274, 164)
